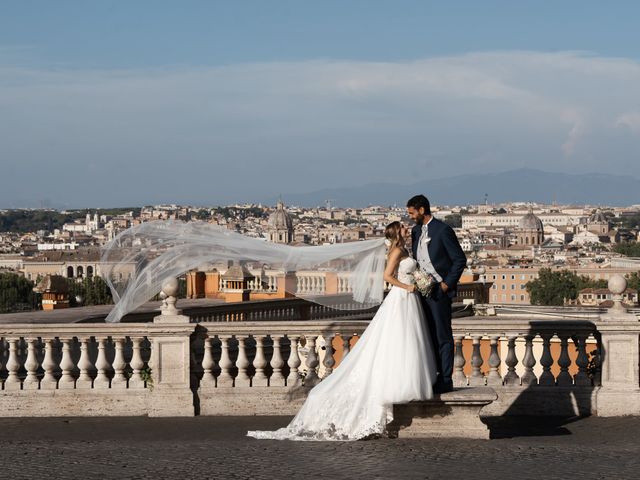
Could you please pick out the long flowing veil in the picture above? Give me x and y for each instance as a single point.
(137, 262)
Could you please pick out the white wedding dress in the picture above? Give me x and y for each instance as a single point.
(392, 362)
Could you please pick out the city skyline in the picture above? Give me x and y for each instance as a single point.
(113, 105)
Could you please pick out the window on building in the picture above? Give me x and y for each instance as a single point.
(522, 298)
(513, 286)
(513, 297)
(504, 287)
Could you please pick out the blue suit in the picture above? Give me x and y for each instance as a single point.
(449, 261)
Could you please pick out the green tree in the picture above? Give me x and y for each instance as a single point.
(554, 287)
(633, 281)
(92, 291)
(630, 249)
(454, 220)
(16, 293)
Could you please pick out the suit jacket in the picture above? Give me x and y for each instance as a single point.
(445, 252)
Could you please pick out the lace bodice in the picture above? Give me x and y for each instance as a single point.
(406, 267)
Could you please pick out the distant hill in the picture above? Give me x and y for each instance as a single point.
(524, 185)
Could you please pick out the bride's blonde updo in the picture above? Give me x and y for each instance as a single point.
(393, 233)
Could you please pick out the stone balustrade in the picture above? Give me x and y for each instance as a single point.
(531, 363)
(90, 369)
(311, 283)
(561, 362)
(265, 368)
(281, 310)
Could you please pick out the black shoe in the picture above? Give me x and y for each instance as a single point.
(443, 387)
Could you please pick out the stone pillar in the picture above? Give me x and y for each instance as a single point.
(170, 334)
(286, 285)
(196, 284)
(331, 283)
(620, 333)
(212, 284)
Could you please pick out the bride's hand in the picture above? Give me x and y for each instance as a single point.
(411, 288)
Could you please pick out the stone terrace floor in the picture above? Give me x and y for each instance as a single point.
(216, 448)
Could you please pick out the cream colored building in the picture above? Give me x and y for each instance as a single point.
(511, 220)
(509, 284)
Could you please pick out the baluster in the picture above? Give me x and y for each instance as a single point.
(195, 367)
(529, 361)
(511, 378)
(582, 361)
(260, 379)
(225, 379)
(119, 381)
(13, 365)
(242, 363)
(476, 363)
(312, 378)
(346, 345)
(564, 377)
(494, 377)
(546, 360)
(329, 361)
(277, 362)
(66, 364)
(84, 380)
(102, 379)
(293, 361)
(31, 382)
(208, 364)
(137, 364)
(459, 378)
(2, 355)
(597, 376)
(49, 365)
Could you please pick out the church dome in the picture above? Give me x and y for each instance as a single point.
(280, 219)
(598, 217)
(530, 222)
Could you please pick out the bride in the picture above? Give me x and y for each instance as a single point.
(393, 362)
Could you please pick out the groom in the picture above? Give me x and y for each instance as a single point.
(437, 251)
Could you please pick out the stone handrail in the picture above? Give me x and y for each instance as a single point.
(536, 365)
(281, 309)
(99, 369)
(525, 352)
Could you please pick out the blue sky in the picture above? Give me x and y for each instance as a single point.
(250, 99)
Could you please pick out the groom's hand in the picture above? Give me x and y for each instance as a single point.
(444, 287)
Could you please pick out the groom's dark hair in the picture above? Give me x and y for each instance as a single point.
(420, 201)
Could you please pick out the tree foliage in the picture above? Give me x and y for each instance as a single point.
(630, 249)
(90, 291)
(554, 287)
(16, 293)
(454, 220)
(24, 221)
(633, 281)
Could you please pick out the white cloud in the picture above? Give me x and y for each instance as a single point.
(260, 129)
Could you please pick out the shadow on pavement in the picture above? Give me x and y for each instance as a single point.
(528, 426)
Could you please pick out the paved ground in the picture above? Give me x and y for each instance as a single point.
(216, 448)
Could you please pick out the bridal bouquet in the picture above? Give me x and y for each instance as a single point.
(424, 282)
